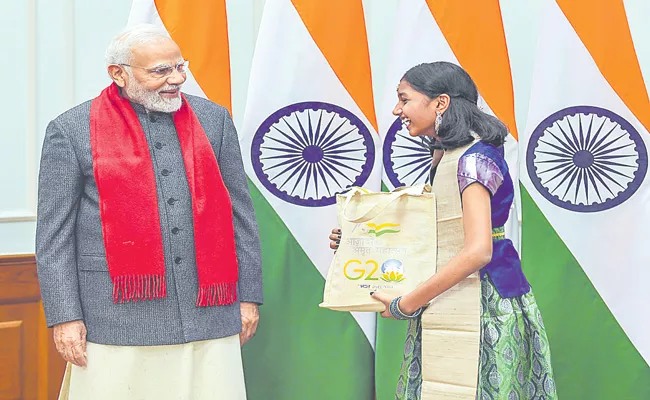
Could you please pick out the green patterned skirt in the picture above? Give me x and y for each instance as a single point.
(515, 358)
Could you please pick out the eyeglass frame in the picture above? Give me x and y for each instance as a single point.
(182, 65)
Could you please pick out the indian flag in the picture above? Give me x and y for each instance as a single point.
(309, 132)
(587, 200)
(382, 229)
(467, 33)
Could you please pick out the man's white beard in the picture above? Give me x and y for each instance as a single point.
(151, 99)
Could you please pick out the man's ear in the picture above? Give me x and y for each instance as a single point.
(118, 75)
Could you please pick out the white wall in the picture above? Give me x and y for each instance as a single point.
(53, 59)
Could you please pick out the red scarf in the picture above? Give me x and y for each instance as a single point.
(128, 204)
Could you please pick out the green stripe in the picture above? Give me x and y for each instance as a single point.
(382, 232)
(592, 357)
(301, 351)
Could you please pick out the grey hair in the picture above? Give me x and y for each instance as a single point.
(119, 50)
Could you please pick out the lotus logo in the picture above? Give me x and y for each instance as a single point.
(392, 271)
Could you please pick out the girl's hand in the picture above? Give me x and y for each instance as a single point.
(335, 238)
(386, 300)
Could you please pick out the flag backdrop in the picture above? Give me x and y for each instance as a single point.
(586, 205)
(310, 129)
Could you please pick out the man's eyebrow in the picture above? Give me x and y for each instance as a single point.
(162, 65)
(181, 61)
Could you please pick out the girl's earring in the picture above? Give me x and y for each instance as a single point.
(436, 125)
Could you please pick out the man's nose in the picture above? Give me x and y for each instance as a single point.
(176, 78)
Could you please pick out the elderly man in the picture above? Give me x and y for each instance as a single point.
(147, 246)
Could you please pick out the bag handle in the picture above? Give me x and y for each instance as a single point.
(416, 190)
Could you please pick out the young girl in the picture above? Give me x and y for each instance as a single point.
(440, 100)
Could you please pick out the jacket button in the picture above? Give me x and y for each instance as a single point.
(178, 260)
(165, 172)
(175, 230)
(158, 145)
(171, 201)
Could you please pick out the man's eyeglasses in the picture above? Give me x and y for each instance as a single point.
(163, 71)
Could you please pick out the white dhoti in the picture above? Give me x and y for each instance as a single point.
(210, 369)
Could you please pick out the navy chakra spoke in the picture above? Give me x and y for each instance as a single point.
(307, 152)
(586, 159)
(407, 160)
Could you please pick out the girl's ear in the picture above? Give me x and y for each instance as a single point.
(443, 103)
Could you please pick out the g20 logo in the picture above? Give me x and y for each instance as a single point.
(361, 272)
(391, 270)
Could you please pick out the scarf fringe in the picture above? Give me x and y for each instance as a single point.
(217, 294)
(138, 287)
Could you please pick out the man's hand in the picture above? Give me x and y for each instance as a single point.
(250, 316)
(70, 341)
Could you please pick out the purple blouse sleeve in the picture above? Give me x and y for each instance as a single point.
(477, 167)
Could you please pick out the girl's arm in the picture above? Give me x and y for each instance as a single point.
(476, 252)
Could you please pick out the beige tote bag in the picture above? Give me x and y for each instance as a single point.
(388, 244)
(451, 323)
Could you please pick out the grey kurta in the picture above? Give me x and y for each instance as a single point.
(70, 253)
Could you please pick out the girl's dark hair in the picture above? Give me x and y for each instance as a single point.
(463, 115)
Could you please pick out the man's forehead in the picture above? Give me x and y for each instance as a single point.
(158, 52)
